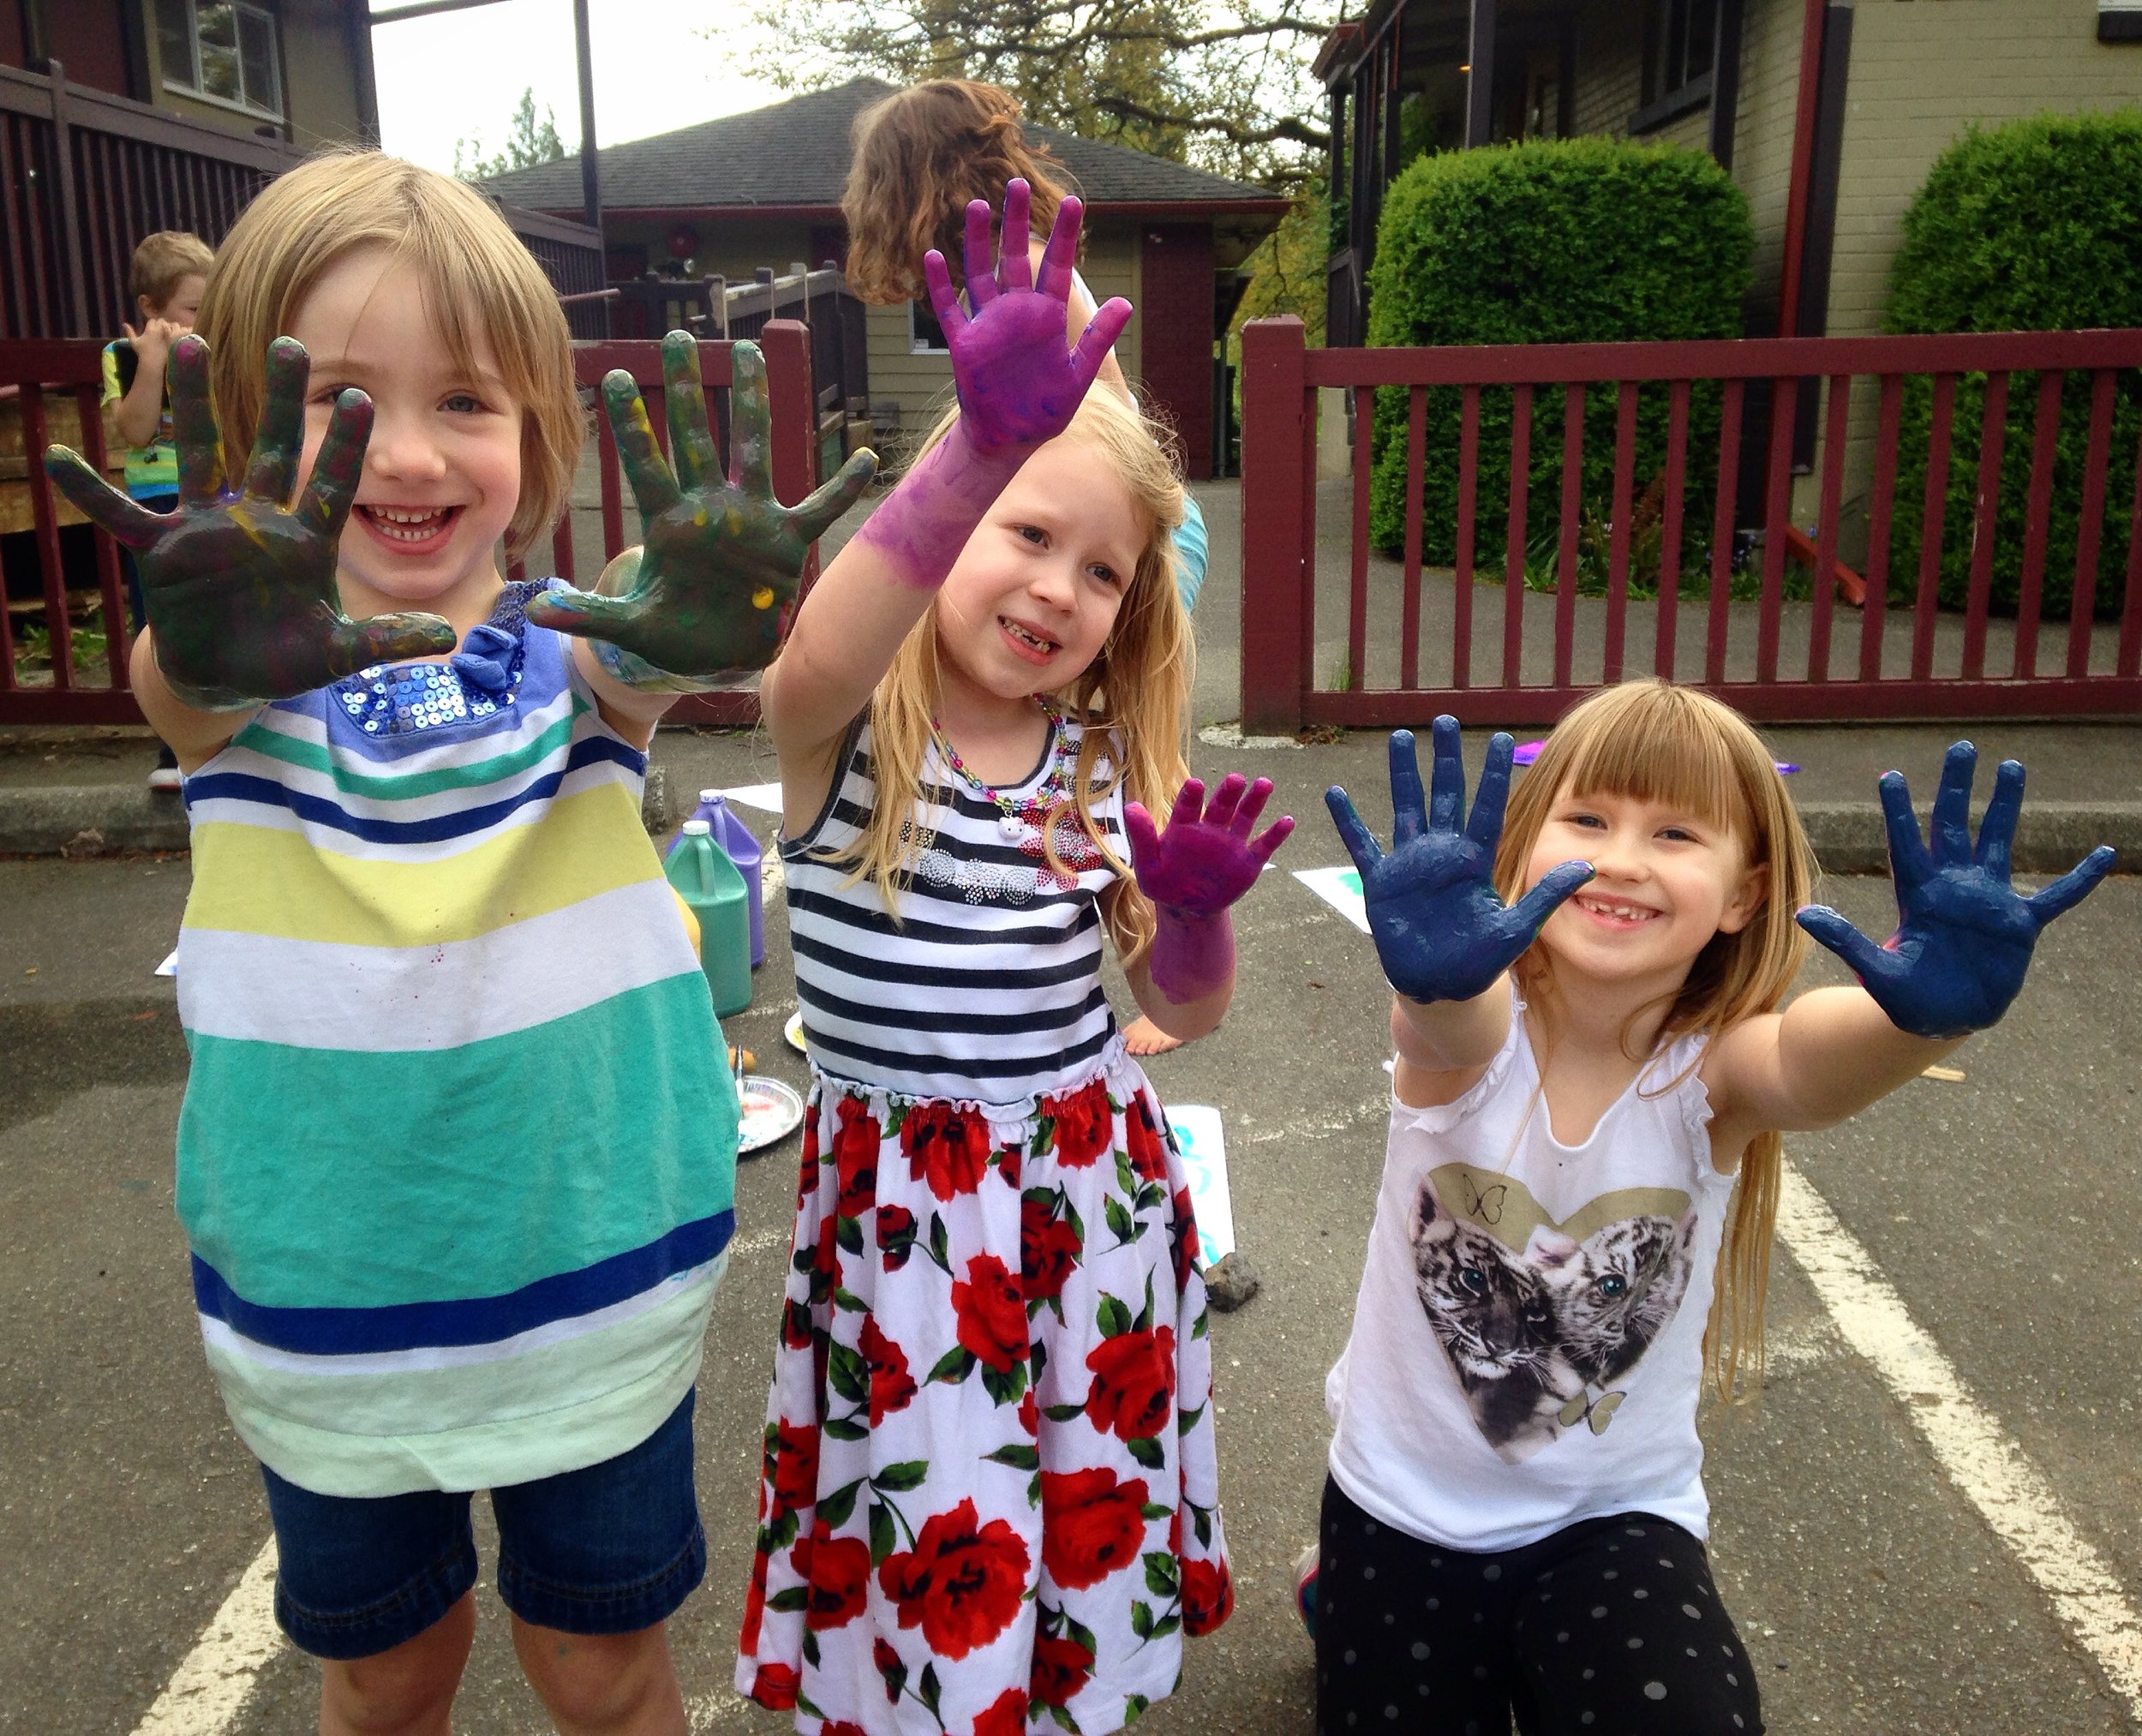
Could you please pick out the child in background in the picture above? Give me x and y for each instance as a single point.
(167, 278)
(921, 156)
(456, 1155)
(1514, 1517)
(989, 1497)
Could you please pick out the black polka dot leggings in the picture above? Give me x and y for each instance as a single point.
(1609, 1628)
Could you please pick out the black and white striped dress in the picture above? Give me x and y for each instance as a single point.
(988, 987)
(988, 1498)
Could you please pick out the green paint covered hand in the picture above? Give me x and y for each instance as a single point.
(240, 584)
(703, 596)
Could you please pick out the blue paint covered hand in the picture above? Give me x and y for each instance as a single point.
(1964, 934)
(1440, 930)
(702, 596)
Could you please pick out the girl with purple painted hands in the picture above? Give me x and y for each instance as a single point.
(1594, 1066)
(978, 713)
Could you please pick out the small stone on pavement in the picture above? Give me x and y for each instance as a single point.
(1231, 1281)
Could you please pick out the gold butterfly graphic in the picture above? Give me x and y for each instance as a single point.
(1595, 1412)
(1485, 1205)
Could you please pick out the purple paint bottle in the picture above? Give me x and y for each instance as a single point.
(734, 837)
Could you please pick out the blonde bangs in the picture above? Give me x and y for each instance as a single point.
(481, 287)
(1650, 740)
(1136, 691)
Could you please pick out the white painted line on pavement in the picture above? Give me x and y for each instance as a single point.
(211, 1686)
(1980, 1456)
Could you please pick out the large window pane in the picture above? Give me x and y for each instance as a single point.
(217, 29)
(174, 39)
(256, 56)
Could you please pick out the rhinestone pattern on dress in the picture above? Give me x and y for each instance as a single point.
(478, 682)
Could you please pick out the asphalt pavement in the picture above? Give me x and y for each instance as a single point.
(1885, 1580)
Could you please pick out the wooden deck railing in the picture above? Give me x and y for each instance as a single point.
(1399, 641)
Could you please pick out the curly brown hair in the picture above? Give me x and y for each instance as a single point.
(921, 156)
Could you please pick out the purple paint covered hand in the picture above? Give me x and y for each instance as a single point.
(721, 556)
(1193, 872)
(239, 585)
(1017, 384)
(1964, 934)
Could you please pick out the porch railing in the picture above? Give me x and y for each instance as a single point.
(84, 175)
(1335, 633)
(62, 577)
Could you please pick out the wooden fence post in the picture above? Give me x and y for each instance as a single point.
(1275, 575)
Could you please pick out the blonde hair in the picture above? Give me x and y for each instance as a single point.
(162, 262)
(478, 279)
(1133, 698)
(1650, 740)
(922, 155)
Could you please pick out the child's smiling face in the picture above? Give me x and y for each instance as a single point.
(1668, 879)
(1031, 599)
(442, 471)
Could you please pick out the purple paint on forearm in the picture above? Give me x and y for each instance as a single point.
(919, 531)
(1192, 956)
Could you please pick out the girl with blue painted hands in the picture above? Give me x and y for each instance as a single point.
(1592, 1076)
(456, 1155)
(988, 1500)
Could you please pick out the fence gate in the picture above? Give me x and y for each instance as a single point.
(1982, 473)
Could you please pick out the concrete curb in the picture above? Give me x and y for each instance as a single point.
(2052, 838)
(84, 820)
(1847, 836)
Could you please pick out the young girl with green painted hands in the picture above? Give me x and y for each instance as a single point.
(1594, 1067)
(457, 1153)
(990, 1502)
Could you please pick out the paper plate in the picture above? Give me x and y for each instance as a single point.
(771, 1112)
(794, 1032)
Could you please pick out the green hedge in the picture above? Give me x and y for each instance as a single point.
(2036, 226)
(1549, 241)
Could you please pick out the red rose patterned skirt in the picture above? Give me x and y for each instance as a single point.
(989, 1501)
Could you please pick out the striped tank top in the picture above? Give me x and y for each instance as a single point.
(457, 1156)
(987, 989)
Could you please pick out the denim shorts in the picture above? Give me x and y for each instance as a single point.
(611, 1548)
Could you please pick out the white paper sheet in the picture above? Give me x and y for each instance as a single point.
(170, 967)
(1204, 1148)
(1341, 888)
(763, 796)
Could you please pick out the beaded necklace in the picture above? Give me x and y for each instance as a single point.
(1027, 824)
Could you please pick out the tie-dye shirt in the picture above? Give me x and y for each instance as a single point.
(457, 1158)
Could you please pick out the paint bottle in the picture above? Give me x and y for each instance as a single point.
(734, 838)
(708, 882)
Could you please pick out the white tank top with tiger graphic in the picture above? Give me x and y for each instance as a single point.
(1527, 1348)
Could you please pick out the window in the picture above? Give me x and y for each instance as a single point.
(221, 52)
(1677, 39)
(924, 335)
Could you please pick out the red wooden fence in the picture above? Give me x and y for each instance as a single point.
(32, 375)
(1743, 655)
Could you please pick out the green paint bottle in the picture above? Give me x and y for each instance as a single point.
(708, 880)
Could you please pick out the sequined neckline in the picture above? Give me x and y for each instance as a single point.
(478, 681)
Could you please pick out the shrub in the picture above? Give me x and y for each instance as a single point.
(1550, 241)
(2036, 226)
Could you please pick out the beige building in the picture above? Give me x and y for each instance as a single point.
(1897, 81)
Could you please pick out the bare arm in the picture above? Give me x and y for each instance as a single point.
(194, 736)
(139, 415)
(1827, 1056)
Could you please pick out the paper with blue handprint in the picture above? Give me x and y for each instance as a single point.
(1964, 934)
